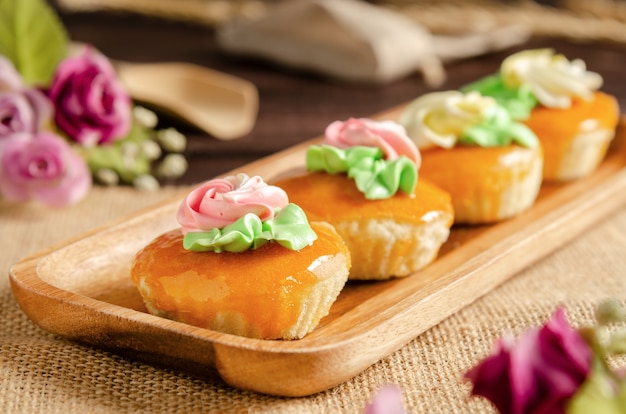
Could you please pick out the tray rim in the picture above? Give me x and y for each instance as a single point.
(29, 287)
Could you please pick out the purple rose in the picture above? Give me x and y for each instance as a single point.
(538, 374)
(22, 109)
(42, 167)
(91, 105)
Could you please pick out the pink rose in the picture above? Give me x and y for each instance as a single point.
(389, 136)
(220, 202)
(388, 400)
(42, 167)
(538, 374)
(10, 79)
(22, 109)
(91, 105)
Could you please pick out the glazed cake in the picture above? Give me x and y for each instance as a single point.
(363, 179)
(561, 102)
(246, 262)
(490, 165)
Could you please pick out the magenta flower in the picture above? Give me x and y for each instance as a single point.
(42, 167)
(22, 109)
(538, 374)
(91, 104)
(388, 400)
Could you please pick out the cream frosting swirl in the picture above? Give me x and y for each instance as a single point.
(238, 213)
(552, 78)
(222, 201)
(389, 136)
(448, 118)
(439, 118)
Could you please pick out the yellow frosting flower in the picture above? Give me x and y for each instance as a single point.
(552, 78)
(440, 118)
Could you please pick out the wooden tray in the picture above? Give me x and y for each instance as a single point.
(81, 290)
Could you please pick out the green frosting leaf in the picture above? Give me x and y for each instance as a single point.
(335, 160)
(518, 102)
(499, 130)
(374, 176)
(33, 38)
(289, 228)
(381, 179)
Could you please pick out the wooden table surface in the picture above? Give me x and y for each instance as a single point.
(293, 106)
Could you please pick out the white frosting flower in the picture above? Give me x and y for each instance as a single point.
(439, 118)
(553, 79)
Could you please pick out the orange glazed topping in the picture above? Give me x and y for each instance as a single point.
(556, 128)
(266, 286)
(468, 172)
(331, 197)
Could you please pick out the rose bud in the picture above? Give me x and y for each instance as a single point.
(91, 104)
(538, 374)
(22, 109)
(23, 112)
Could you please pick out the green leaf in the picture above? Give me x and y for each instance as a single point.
(33, 37)
(600, 393)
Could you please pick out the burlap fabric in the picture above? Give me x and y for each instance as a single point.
(41, 373)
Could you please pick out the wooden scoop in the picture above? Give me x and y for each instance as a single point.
(223, 105)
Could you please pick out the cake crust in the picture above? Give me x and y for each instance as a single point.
(392, 237)
(487, 184)
(576, 139)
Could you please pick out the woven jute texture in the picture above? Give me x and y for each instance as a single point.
(41, 373)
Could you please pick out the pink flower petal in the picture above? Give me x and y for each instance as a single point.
(388, 400)
(538, 373)
(42, 167)
(91, 104)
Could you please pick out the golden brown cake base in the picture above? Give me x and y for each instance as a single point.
(486, 184)
(575, 140)
(268, 293)
(387, 238)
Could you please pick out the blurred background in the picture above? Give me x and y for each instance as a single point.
(296, 103)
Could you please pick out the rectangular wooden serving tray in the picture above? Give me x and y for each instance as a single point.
(81, 290)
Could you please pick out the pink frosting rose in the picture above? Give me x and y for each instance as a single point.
(22, 109)
(389, 136)
(220, 202)
(538, 374)
(42, 167)
(91, 104)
